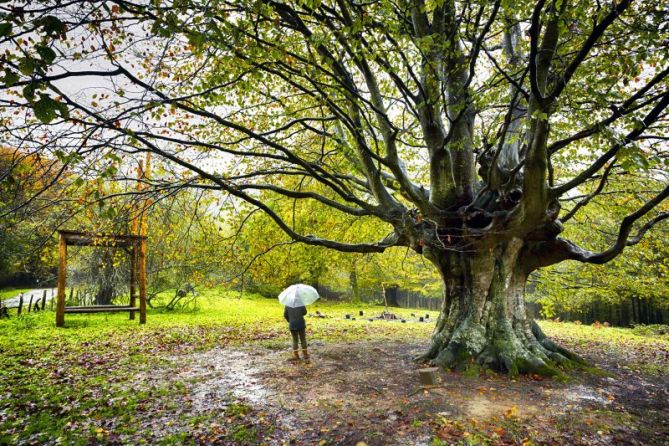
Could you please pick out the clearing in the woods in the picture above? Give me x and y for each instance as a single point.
(219, 375)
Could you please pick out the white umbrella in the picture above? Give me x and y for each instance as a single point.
(298, 295)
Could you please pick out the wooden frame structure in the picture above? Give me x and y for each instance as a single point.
(137, 245)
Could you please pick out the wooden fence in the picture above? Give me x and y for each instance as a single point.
(396, 297)
(409, 299)
(28, 304)
(624, 314)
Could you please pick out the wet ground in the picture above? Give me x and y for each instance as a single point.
(370, 392)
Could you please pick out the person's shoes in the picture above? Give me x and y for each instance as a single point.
(305, 355)
(295, 357)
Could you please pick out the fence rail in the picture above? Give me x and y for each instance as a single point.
(34, 300)
(408, 299)
(396, 297)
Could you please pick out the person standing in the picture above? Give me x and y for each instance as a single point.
(298, 329)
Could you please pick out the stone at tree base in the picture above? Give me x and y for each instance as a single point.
(428, 376)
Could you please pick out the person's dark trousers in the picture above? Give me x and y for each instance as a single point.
(302, 336)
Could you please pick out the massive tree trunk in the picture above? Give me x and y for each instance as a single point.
(484, 321)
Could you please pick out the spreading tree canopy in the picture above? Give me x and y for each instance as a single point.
(466, 127)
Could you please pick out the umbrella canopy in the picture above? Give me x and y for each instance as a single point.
(298, 295)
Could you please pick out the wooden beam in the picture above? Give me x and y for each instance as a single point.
(142, 282)
(105, 309)
(76, 238)
(62, 269)
(95, 306)
(143, 231)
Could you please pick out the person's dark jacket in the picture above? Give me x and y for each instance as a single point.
(295, 318)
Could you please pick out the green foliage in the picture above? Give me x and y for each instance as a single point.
(52, 26)
(274, 262)
(244, 434)
(24, 230)
(638, 273)
(5, 29)
(45, 108)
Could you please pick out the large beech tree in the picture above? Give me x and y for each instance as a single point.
(473, 129)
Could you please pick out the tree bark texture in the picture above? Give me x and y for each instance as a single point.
(484, 320)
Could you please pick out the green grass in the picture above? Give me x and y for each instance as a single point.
(612, 336)
(635, 349)
(222, 316)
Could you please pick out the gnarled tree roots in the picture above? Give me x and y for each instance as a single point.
(504, 349)
(484, 321)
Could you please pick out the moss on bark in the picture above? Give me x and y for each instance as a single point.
(484, 320)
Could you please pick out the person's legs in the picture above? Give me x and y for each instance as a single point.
(303, 341)
(296, 355)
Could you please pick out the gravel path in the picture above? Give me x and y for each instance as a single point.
(13, 302)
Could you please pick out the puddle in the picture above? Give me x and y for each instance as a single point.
(582, 394)
(221, 377)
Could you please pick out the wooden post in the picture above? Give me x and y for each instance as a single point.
(18, 311)
(62, 265)
(133, 279)
(142, 281)
(44, 300)
(428, 376)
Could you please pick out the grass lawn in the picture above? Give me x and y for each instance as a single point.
(104, 379)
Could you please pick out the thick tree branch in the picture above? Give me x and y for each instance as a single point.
(624, 240)
(597, 32)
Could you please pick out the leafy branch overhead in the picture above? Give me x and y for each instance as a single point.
(475, 115)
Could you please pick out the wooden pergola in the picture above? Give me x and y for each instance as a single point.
(137, 245)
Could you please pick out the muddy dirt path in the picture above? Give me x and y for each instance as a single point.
(369, 392)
